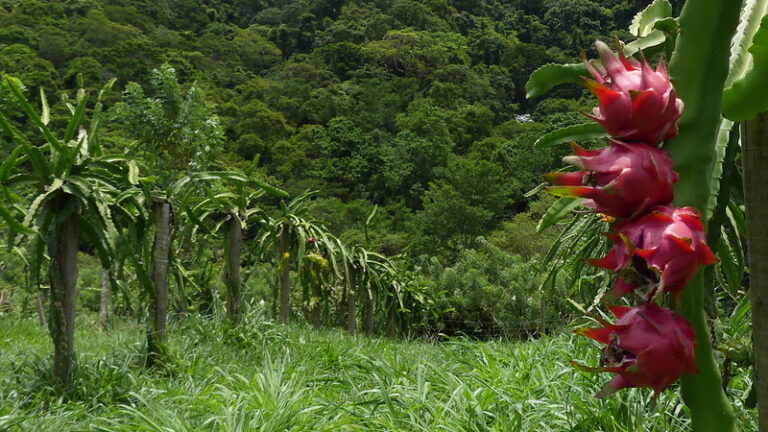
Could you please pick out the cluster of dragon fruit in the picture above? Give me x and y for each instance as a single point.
(657, 247)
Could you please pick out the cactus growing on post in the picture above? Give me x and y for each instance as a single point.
(657, 246)
(717, 43)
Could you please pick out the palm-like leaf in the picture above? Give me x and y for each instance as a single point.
(97, 185)
(77, 191)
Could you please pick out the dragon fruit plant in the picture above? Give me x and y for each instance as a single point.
(657, 183)
(658, 247)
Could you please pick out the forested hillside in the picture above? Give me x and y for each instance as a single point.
(415, 106)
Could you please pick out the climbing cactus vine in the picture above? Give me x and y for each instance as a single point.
(656, 183)
(658, 248)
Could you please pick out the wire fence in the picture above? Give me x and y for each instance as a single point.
(516, 330)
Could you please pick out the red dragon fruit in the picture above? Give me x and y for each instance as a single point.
(662, 250)
(648, 346)
(636, 102)
(622, 180)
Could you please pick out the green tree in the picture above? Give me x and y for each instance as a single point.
(256, 52)
(16, 34)
(471, 123)
(55, 45)
(175, 133)
(409, 52)
(22, 62)
(87, 67)
(345, 155)
(464, 202)
(576, 23)
(421, 147)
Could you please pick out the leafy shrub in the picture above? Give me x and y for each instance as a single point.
(492, 293)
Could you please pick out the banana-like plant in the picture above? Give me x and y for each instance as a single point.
(77, 189)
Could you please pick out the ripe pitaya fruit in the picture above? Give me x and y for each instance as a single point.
(660, 251)
(636, 102)
(622, 180)
(649, 346)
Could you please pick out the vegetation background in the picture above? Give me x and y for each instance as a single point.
(410, 119)
(416, 108)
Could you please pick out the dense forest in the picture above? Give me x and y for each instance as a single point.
(411, 112)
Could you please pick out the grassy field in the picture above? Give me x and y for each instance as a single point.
(264, 377)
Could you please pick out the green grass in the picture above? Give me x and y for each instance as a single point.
(265, 377)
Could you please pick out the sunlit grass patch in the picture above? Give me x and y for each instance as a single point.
(266, 377)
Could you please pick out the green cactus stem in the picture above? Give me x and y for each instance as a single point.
(698, 69)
